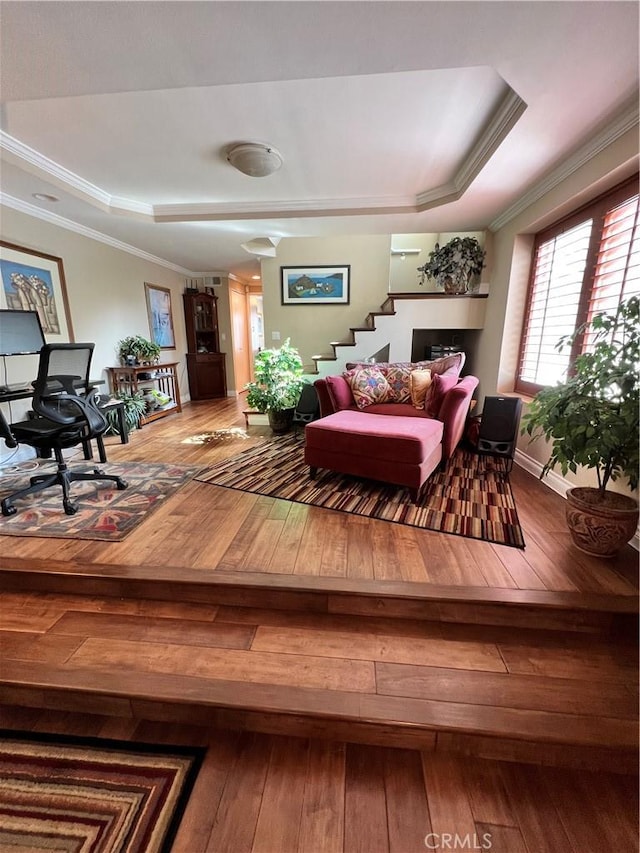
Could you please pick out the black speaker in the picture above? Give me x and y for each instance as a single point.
(499, 425)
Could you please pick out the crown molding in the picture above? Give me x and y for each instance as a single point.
(272, 210)
(493, 135)
(83, 231)
(627, 120)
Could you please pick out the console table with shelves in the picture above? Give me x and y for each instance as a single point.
(135, 379)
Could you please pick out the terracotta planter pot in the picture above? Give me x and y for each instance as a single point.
(281, 421)
(600, 526)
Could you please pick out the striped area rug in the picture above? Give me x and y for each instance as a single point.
(67, 794)
(472, 497)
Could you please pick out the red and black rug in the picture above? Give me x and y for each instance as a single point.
(472, 497)
(103, 512)
(68, 794)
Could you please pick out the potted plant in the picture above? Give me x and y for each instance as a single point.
(592, 421)
(454, 265)
(277, 385)
(138, 350)
(134, 408)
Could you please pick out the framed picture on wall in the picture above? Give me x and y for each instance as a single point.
(34, 281)
(160, 318)
(320, 285)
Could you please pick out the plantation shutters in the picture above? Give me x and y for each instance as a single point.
(582, 266)
(617, 274)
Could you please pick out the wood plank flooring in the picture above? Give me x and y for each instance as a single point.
(359, 684)
(215, 530)
(292, 672)
(262, 793)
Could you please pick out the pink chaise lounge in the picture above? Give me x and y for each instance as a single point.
(392, 442)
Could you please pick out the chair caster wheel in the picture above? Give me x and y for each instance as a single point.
(8, 510)
(122, 485)
(70, 509)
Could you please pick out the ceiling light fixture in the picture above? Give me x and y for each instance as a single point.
(44, 197)
(255, 159)
(405, 251)
(262, 246)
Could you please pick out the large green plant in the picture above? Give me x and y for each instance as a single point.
(459, 259)
(592, 418)
(278, 379)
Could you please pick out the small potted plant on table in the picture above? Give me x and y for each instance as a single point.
(592, 421)
(277, 385)
(135, 350)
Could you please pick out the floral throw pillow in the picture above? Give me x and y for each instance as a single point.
(368, 386)
(398, 376)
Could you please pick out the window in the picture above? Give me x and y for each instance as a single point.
(586, 264)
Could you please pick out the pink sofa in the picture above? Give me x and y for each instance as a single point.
(393, 442)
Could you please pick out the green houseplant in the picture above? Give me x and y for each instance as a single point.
(454, 265)
(592, 421)
(277, 385)
(134, 408)
(138, 350)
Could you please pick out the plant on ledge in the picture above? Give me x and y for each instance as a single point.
(277, 385)
(454, 265)
(137, 350)
(592, 421)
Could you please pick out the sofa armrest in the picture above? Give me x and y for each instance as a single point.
(326, 406)
(334, 393)
(454, 411)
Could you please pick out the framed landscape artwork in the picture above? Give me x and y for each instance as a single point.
(320, 285)
(34, 281)
(160, 319)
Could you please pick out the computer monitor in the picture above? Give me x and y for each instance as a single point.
(20, 332)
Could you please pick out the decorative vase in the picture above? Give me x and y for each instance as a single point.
(280, 421)
(454, 284)
(599, 525)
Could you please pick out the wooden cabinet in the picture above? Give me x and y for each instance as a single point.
(162, 377)
(207, 376)
(205, 363)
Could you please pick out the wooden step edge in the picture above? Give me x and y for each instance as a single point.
(356, 588)
(333, 715)
(611, 619)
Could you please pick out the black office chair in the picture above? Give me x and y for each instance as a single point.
(65, 416)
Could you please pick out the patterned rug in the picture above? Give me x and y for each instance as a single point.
(103, 511)
(69, 795)
(471, 498)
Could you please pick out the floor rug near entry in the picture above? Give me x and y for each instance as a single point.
(69, 794)
(103, 512)
(471, 498)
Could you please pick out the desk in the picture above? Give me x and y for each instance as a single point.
(118, 405)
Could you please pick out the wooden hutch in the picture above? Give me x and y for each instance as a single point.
(205, 362)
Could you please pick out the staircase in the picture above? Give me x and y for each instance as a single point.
(391, 328)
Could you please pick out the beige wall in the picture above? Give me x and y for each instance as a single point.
(404, 276)
(312, 327)
(105, 288)
(498, 351)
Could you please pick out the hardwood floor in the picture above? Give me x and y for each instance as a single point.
(359, 683)
(261, 793)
